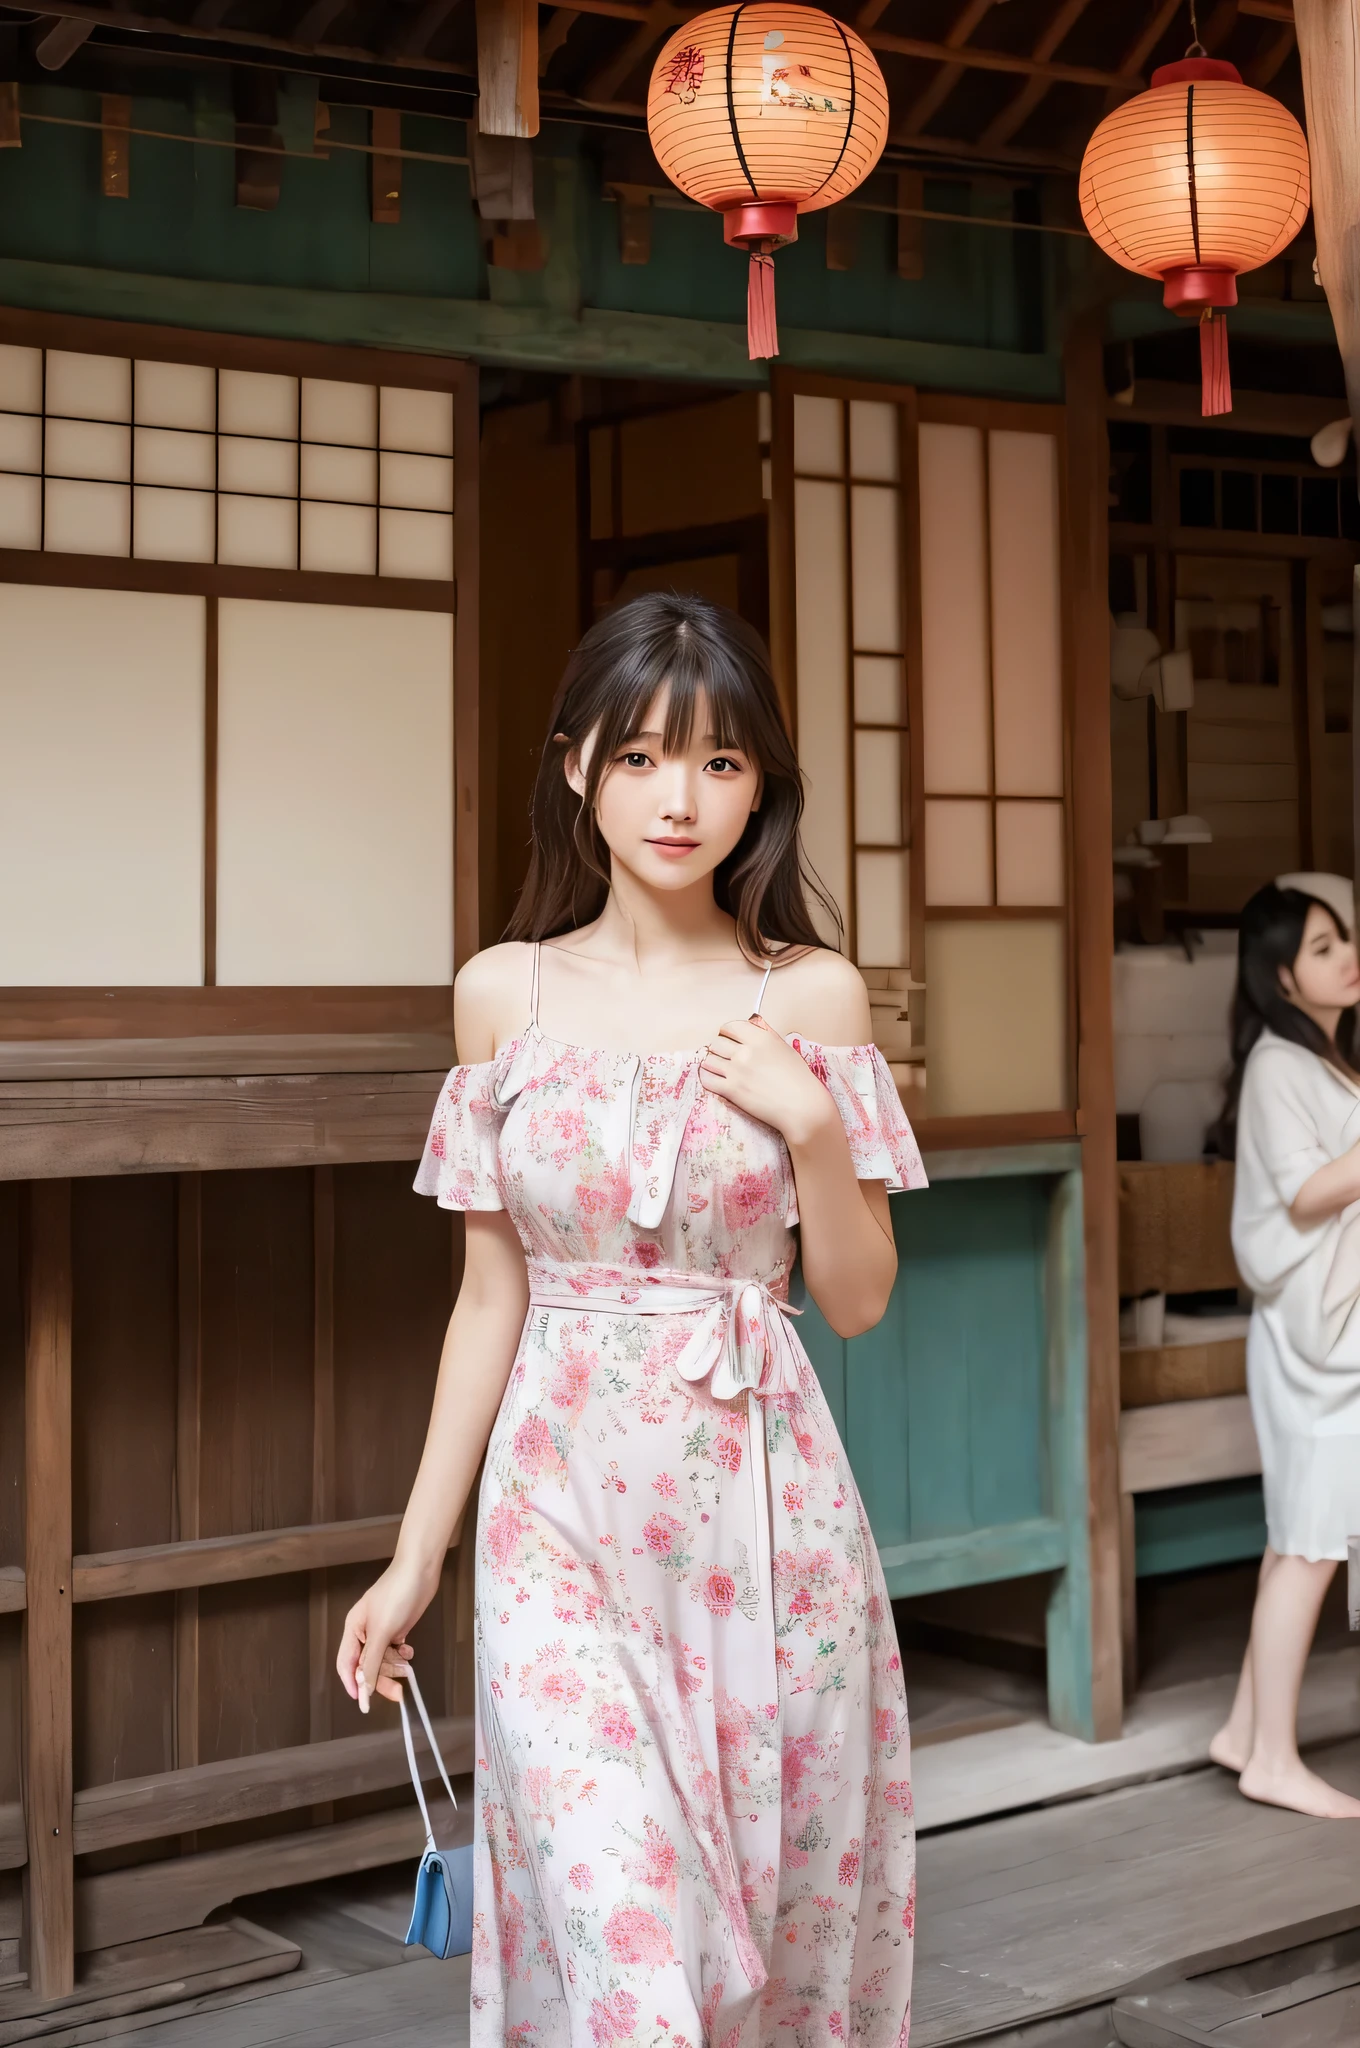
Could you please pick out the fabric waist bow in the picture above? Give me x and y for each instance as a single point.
(741, 1344)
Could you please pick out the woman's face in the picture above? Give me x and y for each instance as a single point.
(1326, 976)
(672, 818)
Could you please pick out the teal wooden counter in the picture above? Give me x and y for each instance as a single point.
(964, 1411)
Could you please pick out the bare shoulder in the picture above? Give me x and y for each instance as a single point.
(491, 999)
(819, 994)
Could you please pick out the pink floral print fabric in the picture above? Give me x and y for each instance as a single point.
(694, 1814)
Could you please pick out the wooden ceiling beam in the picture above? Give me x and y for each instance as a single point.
(415, 39)
(613, 74)
(551, 39)
(1272, 58)
(1015, 115)
(1268, 10)
(976, 59)
(253, 39)
(928, 103)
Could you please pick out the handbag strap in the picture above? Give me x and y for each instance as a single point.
(409, 1679)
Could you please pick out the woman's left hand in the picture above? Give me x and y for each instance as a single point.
(759, 1072)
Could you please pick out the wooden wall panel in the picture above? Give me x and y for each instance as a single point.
(256, 1452)
(393, 1295)
(11, 1637)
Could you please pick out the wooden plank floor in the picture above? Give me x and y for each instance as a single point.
(1048, 1912)
(421, 2005)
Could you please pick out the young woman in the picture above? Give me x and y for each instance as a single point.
(693, 1797)
(1293, 1110)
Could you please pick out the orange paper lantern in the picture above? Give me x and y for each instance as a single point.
(764, 111)
(1195, 180)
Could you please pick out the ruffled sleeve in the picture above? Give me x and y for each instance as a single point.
(881, 1142)
(459, 1163)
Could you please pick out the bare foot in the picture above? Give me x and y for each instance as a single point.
(1298, 1789)
(1230, 1749)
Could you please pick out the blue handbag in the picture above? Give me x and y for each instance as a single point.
(441, 1914)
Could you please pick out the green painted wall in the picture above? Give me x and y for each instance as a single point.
(179, 249)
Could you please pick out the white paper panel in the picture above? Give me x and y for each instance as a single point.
(881, 909)
(875, 569)
(335, 821)
(880, 690)
(164, 456)
(818, 435)
(173, 526)
(998, 1016)
(873, 440)
(264, 468)
(419, 421)
(89, 387)
(349, 474)
(1029, 854)
(85, 448)
(175, 395)
(339, 412)
(21, 442)
(1026, 613)
(878, 788)
(87, 519)
(954, 651)
(424, 482)
(342, 539)
(257, 402)
(101, 787)
(257, 533)
(20, 512)
(21, 378)
(823, 684)
(958, 853)
(415, 544)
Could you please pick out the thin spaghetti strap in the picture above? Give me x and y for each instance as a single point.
(763, 986)
(533, 988)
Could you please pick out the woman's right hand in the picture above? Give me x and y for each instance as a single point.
(374, 1653)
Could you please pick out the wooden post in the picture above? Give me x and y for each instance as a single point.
(1086, 544)
(188, 1432)
(11, 136)
(842, 237)
(322, 1679)
(49, 1893)
(507, 67)
(1329, 56)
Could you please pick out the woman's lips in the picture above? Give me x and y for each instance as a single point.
(674, 847)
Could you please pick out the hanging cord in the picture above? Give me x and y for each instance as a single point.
(1196, 48)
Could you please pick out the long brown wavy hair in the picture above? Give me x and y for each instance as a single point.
(685, 645)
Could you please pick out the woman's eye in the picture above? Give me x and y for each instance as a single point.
(722, 761)
(636, 761)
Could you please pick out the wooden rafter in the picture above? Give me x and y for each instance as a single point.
(928, 103)
(611, 75)
(551, 38)
(1014, 115)
(415, 38)
(1275, 54)
(1003, 60)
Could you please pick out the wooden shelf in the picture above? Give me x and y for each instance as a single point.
(1150, 1374)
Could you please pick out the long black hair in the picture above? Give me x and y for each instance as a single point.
(686, 645)
(1270, 937)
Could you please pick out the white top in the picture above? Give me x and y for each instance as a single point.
(1303, 1349)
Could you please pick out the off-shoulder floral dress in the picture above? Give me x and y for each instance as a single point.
(694, 1813)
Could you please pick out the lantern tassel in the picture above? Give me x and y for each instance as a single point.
(1216, 385)
(762, 336)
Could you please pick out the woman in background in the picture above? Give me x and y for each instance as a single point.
(1292, 1116)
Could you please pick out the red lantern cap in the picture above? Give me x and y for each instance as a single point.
(1196, 71)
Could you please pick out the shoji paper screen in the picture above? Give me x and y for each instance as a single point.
(175, 462)
(992, 713)
(335, 795)
(852, 697)
(927, 645)
(101, 787)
